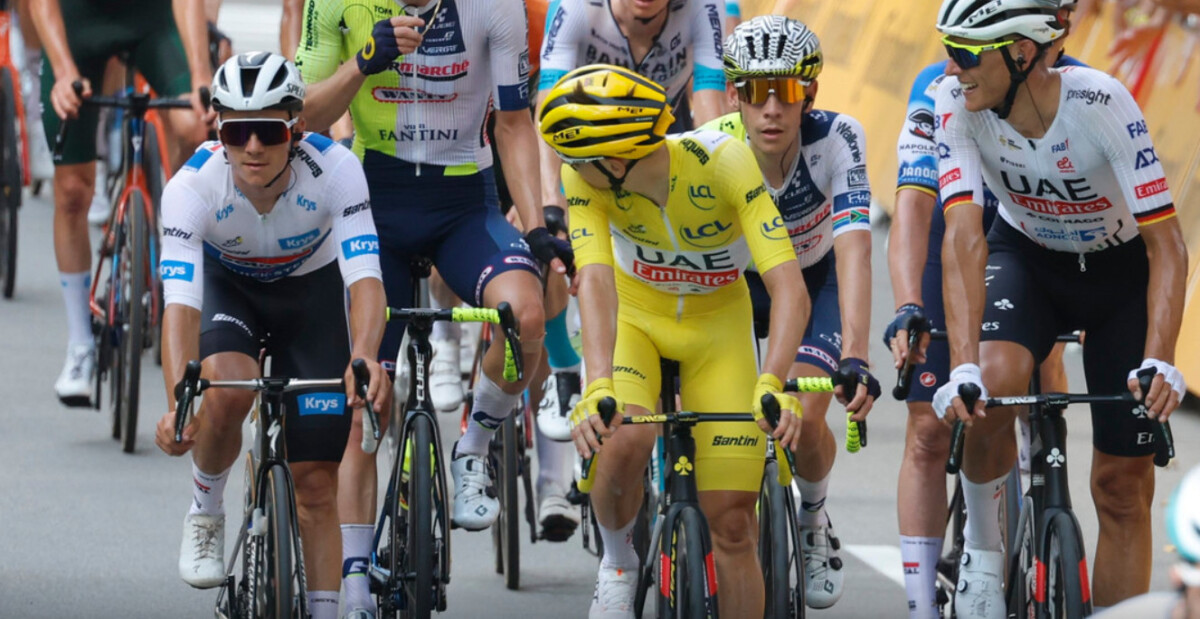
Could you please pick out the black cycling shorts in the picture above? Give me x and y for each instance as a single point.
(1034, 294)
(302, 320)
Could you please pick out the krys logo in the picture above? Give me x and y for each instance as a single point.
(174, 269)
(296, 242)
(359, 245)
(712, 234)
(322, 404)
(701, 197)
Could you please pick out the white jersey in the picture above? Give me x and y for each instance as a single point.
(431, 106)
(324, 215)
(1083, 187)
(582, 32)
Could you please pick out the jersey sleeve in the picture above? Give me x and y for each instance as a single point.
(916, 150)
(590, 236)
(181, 266)
(851, 188)
(708, 22)
(960, 175)
(733, 8)
(762, 226)
(353, 226)
(566, 24)
(1125, 140)
(319, 54)
(508, 41)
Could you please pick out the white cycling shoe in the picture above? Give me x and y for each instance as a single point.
(74, 385)
(201, 555)
(614, 594)
(980, 585)
(445, 381)
(822, 565)
(475, 504)
(560, 394)
(557, 517)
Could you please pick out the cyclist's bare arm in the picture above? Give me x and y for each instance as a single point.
(853, 252)
(289, 28)
(551, 167)
(908, 245)
(597, 292)
(367, 312)
(708, 104)
(1167, 254)
(517, 143)
(193, 31)
(47, 16)
(791, 309)
(964, 262)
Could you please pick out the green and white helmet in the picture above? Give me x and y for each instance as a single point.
(772, 46)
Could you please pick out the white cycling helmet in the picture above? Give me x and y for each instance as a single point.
(255, 81)
(1183, 517)
(989, 20)
(772, 46)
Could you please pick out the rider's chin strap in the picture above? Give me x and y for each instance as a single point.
(291, 155)
(1018, 77)
(615, 182)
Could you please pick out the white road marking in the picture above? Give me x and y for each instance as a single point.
(883, 559)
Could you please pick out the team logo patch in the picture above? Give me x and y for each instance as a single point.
(928, 379)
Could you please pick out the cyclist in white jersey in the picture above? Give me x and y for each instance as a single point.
(814, 166)
(252, 225)
(1086, 238)
(420, 79)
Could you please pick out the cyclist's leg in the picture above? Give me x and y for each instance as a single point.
(160, 58)
(559, 391)
(921, 497)
(290, 25)
(1122, 480)
(717, 372)
(40, 164)
(315, 344)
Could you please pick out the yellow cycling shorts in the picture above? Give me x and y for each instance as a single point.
(717, 370)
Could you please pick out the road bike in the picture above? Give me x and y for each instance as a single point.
(14, 154)
(265, 574)
(410, 567)
(129, 304)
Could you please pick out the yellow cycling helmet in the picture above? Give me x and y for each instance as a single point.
(602, 110)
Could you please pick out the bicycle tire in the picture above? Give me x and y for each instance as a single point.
(1022, 577)
(1067, 595)
(773, 544)
(278, 557)
(688, 551)
(110, 331)
(799, 603)
(417, 563)
(509, 521)
(11, 180)
(133, 317)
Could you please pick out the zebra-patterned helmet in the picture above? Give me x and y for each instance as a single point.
(772, 46)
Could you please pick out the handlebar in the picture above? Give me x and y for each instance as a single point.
(856, 431)
(370, 420)
(970, 395)
(514, 363)
(136, 102)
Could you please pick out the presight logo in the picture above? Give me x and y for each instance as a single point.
(701, 197)
(322, 404)
(175, 269)
(360, 245)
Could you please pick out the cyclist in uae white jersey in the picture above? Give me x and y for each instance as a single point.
(814, 165)
(254, 226)
(1086, 238)
(420, 79)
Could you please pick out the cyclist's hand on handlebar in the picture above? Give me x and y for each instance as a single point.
(866, 390)
(379, 388)
(948, 405)
(895, 337)
(1166, 392)
(164, 434)
(64, 99)
(586, 424)
(207, 115)
(551, 250)
(787, 431)
(390, 39)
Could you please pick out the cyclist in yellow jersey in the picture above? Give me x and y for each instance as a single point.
(663, 228)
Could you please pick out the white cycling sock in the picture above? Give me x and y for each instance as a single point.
(356, 552)
(618, 547)
(920, 557)
(491, 407)
(208, 491)
(554, 462)
(811, 508)
(75, 290)
(982, 529)
(323, 604)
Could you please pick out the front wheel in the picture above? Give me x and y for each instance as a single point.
(1067, 594)
(773, 543)
(690, 585)
(10, 183)
(417, 565)
(277, 571)
(135, 307)
(506, 532)
(1022, 570)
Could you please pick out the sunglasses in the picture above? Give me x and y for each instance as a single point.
(756, 91)
(236, 132)
(967, 56)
